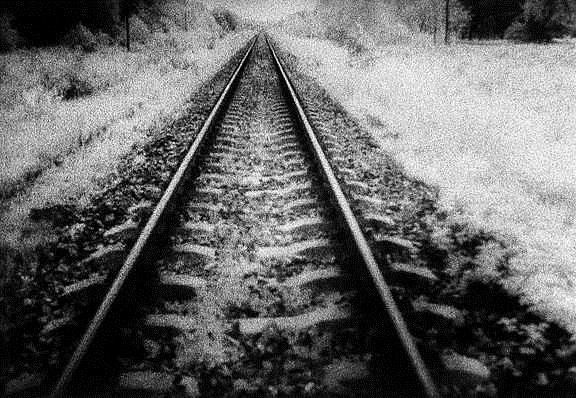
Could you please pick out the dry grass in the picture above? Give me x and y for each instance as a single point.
(492, 124)
(65, 146)
(56, 100)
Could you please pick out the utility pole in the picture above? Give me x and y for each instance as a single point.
(127, 19)
(447, 24)
(435, 27)
(186, 4)
(126, 10)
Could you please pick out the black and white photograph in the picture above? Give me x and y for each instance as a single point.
(288, 198)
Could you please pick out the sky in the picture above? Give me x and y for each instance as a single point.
(263, 10)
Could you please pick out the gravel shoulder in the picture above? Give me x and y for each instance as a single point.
(480, 340)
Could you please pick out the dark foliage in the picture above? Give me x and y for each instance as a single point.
(542, 21)
(225, 19)
(44, 22)
(9, 37)
(524, 20)
(47, 22)
(80, 37)
(491, 18)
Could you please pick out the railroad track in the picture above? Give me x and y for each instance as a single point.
(252, 276)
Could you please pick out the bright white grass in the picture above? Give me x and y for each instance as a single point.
(149, 98)
(494, 127)
(38, 128)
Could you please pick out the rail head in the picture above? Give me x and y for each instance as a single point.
(360, 242)
(152, 227)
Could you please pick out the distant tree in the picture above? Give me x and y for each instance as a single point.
(225, 18)
(491, 18)
(48, 22)
(428, 15)
(80, 37)
(9, 37)
(43, 22)
(542, 21)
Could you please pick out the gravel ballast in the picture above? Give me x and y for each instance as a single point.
(277, 311)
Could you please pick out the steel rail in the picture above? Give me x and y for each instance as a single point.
(354, 231)
(153, 226)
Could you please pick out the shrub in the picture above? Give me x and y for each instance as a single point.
(342, 37)
(67, 81)
(540, 22)
(139, 31)
(226, 19)
(75, 87)
(182, 63)
(69, 86)
(536, 30)
(80, 37)
(9, 37)
(103, 39)
(516, 32)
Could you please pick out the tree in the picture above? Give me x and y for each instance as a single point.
(9, 37)
(428, 15)
(46, 22)
(542, 20)
(127, 8)
(447, 23)
(491, 18)
(42, 22)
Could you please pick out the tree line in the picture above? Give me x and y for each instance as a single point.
(523, 20)
(45, 22)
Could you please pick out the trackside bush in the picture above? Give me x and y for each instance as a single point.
(65, 78)
(226, 19)
(81, 37)
(536, 30)
(139, 30)
(9, 37)
(540, 22)
(344, 38)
